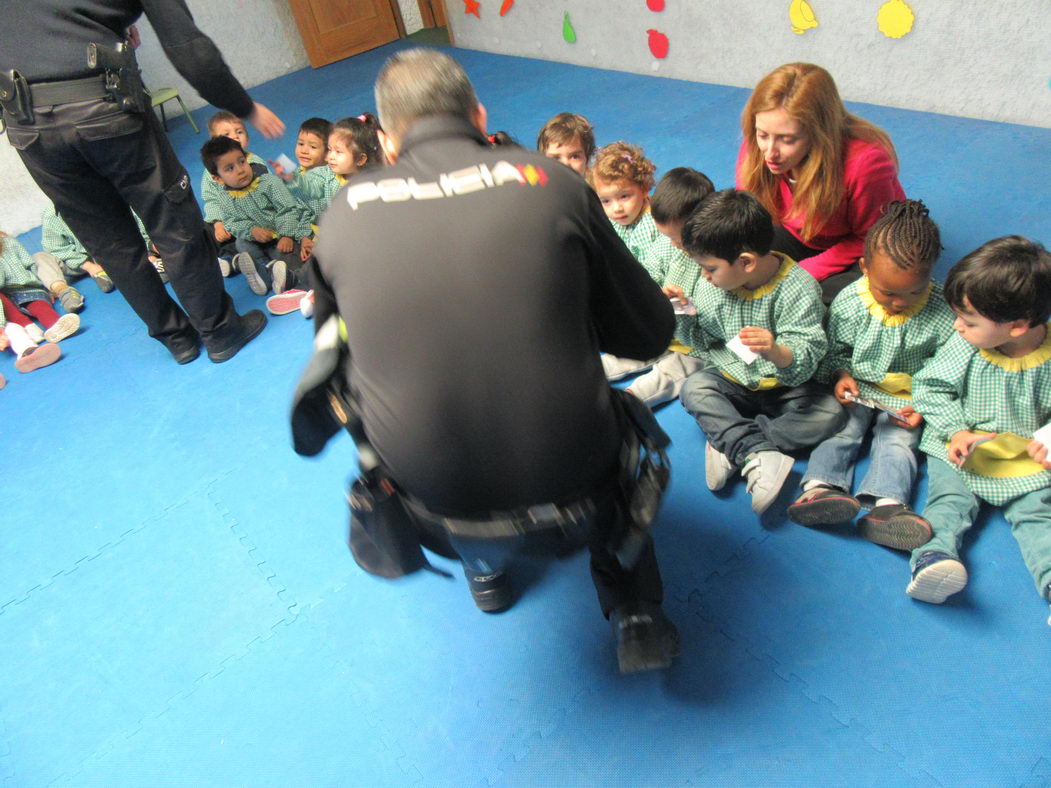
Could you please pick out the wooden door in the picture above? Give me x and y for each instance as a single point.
(334, 29)
(432, 12)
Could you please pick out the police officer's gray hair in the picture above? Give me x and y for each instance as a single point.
(421, 82)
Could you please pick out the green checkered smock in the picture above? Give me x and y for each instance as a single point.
(641, 237)
(671, 266)
(871, 344)
(18, 274)
(314, 188)
(211, 191)
(57, 239)
(965, 388)
(266, 202)
(789, 305)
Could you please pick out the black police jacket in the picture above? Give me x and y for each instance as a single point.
(478, 286)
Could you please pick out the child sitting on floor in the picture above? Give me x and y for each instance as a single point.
(758, 327)
(19, 333)
(569, 139)
(266, 219)
(312, 183)
(224, 124)
(677, 195)
(882, 329)
(983, 396)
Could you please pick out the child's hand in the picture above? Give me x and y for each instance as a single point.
(281, 172)
(221, 233)
(758, 340)
(676, 292)
(961, 444)
(908, 418)
(1039, 452)
(846, 383)
(285, 244)
(306, 248)
(262, 234)
(5, 342)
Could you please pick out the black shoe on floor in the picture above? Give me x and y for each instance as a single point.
(491, 592)
(251, 324)
(646, 639)
(184, 349)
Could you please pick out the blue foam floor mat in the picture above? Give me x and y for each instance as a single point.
(178, 605)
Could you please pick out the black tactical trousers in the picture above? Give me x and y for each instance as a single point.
(94, 161)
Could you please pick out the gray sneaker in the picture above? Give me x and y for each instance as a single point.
(766, 472)
(246, 265)
(71, 299)
(104, 282)
(717, 468)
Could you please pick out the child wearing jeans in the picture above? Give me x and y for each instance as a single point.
(266, 219)
(983, 396)
(312, 183)
(882, 329)
(569, 139)
(758, 327)
(676, 196)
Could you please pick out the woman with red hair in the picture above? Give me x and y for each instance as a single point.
(824, 174)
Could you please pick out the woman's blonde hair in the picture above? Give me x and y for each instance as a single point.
(807, 93)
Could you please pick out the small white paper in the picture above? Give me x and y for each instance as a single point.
(741, 350)
(286, 163)
(681, 308)
(1043, 435)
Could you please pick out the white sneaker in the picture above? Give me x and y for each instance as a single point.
(246, 265)
(279, 275)
(717, 468)
(936, 577)
(67, 325)
(34, 332)
(224, 267)
(618, 368)
(766, 473)
(306, 304)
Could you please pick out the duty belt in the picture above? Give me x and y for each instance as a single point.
(514, 522)
(46, 94)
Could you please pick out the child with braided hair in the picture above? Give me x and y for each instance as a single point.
(622, 177)
(882, 330)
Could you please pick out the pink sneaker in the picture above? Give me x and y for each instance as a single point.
(284, 303)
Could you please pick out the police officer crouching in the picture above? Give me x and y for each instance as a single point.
(477, 286)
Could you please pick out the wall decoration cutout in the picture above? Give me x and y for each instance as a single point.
(801, 16)
(471, 7)
(655, 5)
(895, 18)
(658, 43)
(506, 6)
(569, 35)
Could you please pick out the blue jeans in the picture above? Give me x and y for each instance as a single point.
(739, 422)
(952, 507)
(892, 458)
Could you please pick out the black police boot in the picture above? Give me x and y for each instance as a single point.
(251, 324)
(490, 592)
(646, 639)
(184, 348)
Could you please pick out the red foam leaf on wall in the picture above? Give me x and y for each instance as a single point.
(658, 43)
(506, 6)
(655, 5)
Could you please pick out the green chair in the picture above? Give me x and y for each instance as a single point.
(161, 95)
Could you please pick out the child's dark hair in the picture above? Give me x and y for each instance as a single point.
(317, 126)
(906, 234)
(214, 148)
(360, 133)
(726, 225)
(222, 116)
(1004, 279)
(621, 161)
(500, 138)
(678, 194)
(563, 128)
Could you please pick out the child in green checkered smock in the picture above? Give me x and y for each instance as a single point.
(882, 329)
(224, 124)
(679, 192)
(622, 177)
(758, 327)
(983, 396)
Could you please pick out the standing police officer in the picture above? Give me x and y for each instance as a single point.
(478, 285)
(76, 112)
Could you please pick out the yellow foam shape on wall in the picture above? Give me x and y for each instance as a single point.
(895, 18)
(801, 15)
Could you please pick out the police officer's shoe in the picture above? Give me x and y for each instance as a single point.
(184, 348)
(251, 324)
(646, 639)
(490, 592)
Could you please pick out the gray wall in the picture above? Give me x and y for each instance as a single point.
(988, 60)
(263, 45)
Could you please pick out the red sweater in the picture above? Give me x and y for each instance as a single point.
(871, 181)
